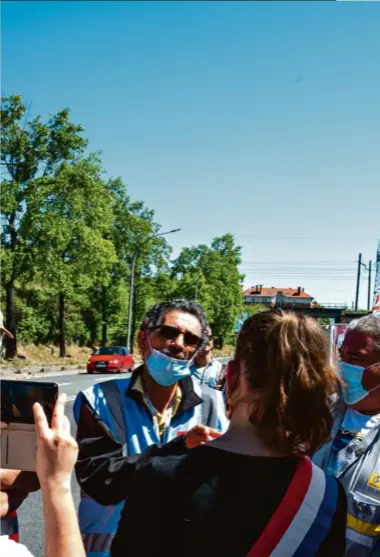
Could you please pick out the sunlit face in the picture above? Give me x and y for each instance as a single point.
(359, 349)
(178, 336)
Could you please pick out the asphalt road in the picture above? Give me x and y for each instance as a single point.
(30, 512)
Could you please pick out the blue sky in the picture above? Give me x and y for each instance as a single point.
(259, 119)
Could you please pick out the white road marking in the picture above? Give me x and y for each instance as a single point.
(64, 384)
(70, 398)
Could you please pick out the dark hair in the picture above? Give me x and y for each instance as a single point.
(156, 314)
(284, 358)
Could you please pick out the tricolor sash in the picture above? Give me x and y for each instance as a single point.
(303, 518)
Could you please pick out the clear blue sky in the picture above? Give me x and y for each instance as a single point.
(259, 119)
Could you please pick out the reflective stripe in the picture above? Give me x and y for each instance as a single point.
(114, 402)
(357, 539)
(366, 528)
(97, 542)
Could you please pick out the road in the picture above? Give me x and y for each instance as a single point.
(30, 513)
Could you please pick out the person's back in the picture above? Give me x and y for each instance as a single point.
(252, 491)
(227, 501)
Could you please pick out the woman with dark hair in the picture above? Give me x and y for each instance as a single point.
(253, 491)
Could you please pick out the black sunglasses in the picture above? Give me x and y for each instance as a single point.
(171, 333)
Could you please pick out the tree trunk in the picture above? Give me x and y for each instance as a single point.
(10, 344)
(104, 316)
(61, 326)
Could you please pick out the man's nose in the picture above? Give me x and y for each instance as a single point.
(179, 341)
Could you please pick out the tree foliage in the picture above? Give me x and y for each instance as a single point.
(210, 274)
(69, 237)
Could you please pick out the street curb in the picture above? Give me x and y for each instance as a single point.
(27, 373)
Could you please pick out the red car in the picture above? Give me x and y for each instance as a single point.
(110, 359)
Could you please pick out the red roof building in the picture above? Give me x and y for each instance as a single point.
(277, 296)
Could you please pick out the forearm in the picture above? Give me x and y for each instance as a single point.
(62, 535)
(107, 478)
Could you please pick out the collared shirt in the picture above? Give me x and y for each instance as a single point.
(208, 374)
(161, 420)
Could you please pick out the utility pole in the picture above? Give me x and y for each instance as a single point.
(369, 285)
(131, 293)
(358, 282)
(132, 287)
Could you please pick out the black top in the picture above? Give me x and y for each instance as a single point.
(207, 502)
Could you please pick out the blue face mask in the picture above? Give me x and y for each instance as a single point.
(166, 370)
(352, 375)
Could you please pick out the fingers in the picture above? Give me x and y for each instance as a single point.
(213, 433)
(66, 426)
(42, 426)
(59, 413)
(3, 425)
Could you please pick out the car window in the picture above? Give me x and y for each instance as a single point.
(107, 351)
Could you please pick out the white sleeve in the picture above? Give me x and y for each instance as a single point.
(11, 548)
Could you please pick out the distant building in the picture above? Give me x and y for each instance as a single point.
(278, 297)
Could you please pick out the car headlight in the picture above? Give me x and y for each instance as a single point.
(89, 361)
(114, 361)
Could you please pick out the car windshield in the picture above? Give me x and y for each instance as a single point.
(108, 350)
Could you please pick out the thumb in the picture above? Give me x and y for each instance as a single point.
(214, 433)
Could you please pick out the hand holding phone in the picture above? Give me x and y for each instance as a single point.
(18, 439)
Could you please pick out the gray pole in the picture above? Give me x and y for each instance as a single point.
(369, 285)
(131, 292)
(132, 287)
(358, 282)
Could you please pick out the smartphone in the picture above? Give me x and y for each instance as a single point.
(18, 439)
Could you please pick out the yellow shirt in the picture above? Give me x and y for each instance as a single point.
(160, 420)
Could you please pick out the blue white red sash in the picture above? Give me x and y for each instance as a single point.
(303, 518)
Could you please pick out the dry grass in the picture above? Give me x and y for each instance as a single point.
(32, 355)
(76, 356)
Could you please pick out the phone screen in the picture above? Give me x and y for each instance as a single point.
(18, 397)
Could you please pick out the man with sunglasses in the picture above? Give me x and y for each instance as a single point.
(353, 453)
(161, 403)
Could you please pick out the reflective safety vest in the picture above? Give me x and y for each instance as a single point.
(9, 526)
(360, 478)
(133, 427)
(303, 518)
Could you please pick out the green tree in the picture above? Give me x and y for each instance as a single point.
(30, 149)
(71, 236)
(132, 232)
(211, 275)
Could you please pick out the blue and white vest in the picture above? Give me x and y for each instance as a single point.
(132, 426)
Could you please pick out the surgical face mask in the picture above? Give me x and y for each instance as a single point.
(166, 370)
(354, 391)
